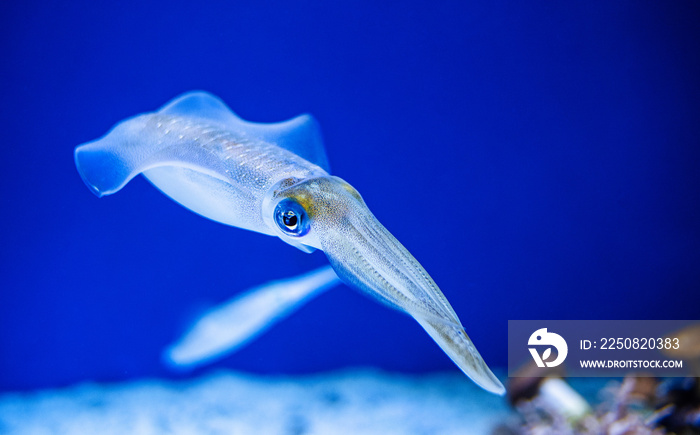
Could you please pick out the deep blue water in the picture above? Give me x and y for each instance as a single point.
(539, 159)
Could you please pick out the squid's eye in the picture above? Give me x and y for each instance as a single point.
(291, 218)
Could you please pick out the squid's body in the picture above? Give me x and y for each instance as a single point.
(274, 179)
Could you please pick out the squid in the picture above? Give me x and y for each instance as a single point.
(274, 178)
(229, 326)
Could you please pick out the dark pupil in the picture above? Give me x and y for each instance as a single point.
(290, 219)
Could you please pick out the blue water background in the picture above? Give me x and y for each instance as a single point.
(540, 159)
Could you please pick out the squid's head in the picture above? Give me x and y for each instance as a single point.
(303, 213)
(327, 213)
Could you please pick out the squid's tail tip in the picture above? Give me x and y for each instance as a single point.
(166, 357)
(92, 187)
(103, 172)
(170, 359)
(80, 165)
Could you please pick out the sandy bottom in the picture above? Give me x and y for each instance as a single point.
(348, 402)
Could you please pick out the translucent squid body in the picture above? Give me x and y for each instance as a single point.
(274, 179)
